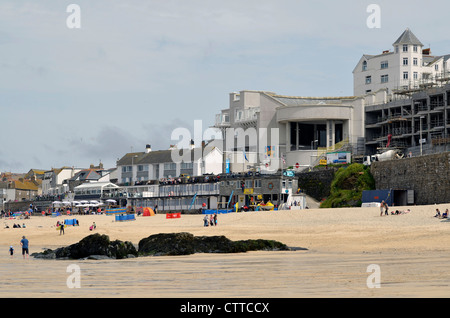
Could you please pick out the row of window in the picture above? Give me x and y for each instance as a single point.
(405, 48)
(385, 64)
(385, 78)
(167, 166)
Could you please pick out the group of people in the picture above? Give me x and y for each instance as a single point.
(211, 221)
(443, 216)
(15, 226)
(24, 244)
(384, 208)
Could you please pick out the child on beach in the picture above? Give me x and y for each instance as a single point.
(11, 251)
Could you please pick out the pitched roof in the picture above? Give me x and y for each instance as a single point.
(25, 185)
(165, 156)
(87, 174)
(408, 37)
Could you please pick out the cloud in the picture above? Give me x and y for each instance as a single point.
(136, 70)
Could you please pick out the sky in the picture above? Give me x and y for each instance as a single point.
(136, 70)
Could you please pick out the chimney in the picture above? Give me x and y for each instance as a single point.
(148, 148)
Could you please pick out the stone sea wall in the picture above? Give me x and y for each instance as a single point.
(428, 176)
(316, 183)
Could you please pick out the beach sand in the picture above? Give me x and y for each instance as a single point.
(411, 251)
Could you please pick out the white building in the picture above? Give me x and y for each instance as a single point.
(407, 66)
(53, 180)
(163, 164)
(307, 128)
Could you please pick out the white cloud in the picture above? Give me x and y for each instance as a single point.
(136, 69)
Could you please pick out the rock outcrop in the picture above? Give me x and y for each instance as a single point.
(186, 243)
(95, 246)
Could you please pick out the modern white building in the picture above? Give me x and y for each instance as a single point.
(307, 128)
(408, 66)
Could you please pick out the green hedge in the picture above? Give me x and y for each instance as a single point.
(348, 185)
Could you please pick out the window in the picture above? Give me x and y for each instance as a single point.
(415, 75)
(127, 168)
(405, 61)
(187, 165)
(384, 78)
(364, 66)
(405, 75)
(396, 49)
(436, 67)
(415, 48)
(415, 61)
(368, 79)
(170, 166)
(142, 167)
(384, 65)
(405, 47)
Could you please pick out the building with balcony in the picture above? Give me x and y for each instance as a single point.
(418, 123)
(306, 128)
(409, 66)
(141, 167)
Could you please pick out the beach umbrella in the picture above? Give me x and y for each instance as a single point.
(84, 202)
(111, 200)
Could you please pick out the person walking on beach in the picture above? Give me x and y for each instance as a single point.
(61, 229)
(11, 251)
(215, 219)
(386, 208)
(381, 208)
(24, 242)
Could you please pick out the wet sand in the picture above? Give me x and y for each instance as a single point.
(410, 250)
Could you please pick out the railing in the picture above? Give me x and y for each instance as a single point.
(247, 114)
(337, 146)
(222, 120)
(398, 131)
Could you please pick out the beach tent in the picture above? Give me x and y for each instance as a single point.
(148, 212)
(72, 222)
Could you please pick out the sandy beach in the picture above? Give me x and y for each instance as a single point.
(410, 249)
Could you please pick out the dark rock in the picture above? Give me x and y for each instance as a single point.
(46, 254)
(186, 243)
(95, 244)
